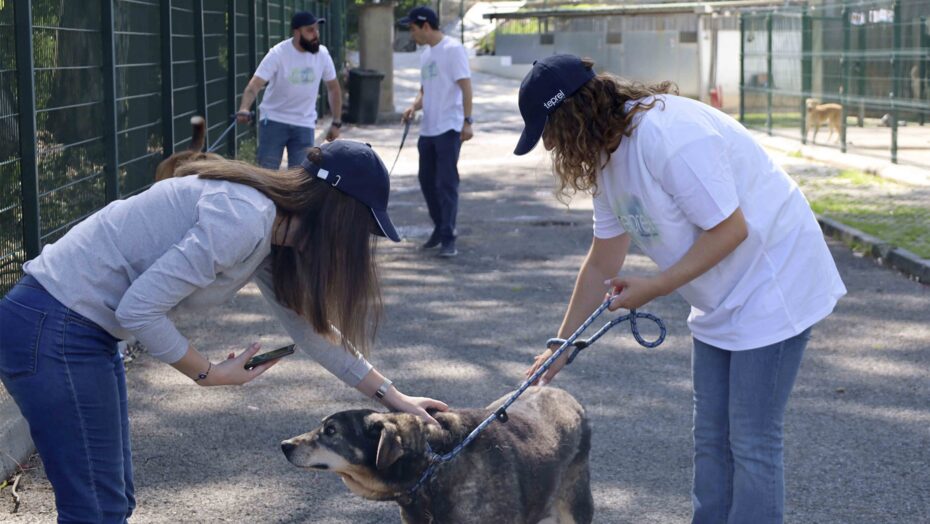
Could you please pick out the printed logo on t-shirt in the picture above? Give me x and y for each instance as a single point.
(429, 71)
(301, 75)
(635, 221)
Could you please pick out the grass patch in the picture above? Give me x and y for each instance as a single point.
(778, 120)
(901, 225)
(247, 150)
(860, 178)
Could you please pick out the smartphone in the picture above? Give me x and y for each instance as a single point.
(258, 360)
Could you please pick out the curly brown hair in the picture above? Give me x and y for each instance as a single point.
(590, 124)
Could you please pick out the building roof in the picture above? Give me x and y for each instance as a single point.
(641, 9)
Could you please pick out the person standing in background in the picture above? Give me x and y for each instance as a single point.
(292, 70)
(446, 99)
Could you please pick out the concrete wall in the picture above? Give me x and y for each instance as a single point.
(727, 68)
(648, 56)
(376, 38)
(499, 66)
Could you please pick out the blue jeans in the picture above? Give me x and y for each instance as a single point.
(439, 180)
(67, 377)
(273, 137)
(739, 408)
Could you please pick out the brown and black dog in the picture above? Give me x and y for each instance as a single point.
(531, 469)
(167, 166)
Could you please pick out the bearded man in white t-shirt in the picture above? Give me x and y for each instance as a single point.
(292, 70)
(728, 230)
(445, 97)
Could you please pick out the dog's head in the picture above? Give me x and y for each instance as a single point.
(811, 103)
(378, 455)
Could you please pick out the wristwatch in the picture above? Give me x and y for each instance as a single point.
(382, 391)
(336, 124)
(469, 120)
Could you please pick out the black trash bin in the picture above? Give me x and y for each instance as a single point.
(364, 94)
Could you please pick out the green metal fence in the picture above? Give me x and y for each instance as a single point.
(94, 94)
(872, 57)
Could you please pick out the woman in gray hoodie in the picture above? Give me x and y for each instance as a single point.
(305, 236)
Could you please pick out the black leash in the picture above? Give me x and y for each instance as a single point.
(402, 140)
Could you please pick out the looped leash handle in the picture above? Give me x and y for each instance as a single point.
(634, 328)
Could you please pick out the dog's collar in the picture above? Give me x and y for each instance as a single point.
(434, 459)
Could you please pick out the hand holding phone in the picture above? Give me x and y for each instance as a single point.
(258, 360)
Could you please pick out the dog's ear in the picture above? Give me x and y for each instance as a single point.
(390, 447)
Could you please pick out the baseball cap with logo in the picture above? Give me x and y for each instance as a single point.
(355, 169)
(420, 14)
(545, 87)
(302, 18)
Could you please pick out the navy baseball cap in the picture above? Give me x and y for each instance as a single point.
(355, 169)
(421, 14)
(545, 87)
(302, 18)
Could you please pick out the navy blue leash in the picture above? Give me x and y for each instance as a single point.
(501, 413)
(219, 141)
(402, 140)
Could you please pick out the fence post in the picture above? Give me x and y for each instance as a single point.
(253, 49)
(846, 63)
(742, 68)
(922, 71)
(769, 81)
(860, 32)
(200, 68)
(253, 37)
(111, 171)
(806, 68)
(268, 40)
(167, 81)
(895, 78)
(337, 32)
(231, 75)
(28, 167)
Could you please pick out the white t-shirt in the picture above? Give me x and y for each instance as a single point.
(684, 169)
(440, 67)
(293, 83)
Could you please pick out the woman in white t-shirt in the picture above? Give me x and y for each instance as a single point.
(729, 230)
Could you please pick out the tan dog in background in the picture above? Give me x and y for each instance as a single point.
(167, 166)
(818, 114)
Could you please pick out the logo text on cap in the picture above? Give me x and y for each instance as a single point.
(552, 102)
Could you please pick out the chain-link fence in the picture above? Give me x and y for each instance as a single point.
(853, 74)
(94, 94)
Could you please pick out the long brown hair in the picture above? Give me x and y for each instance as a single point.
(590, 124)
(329, 276)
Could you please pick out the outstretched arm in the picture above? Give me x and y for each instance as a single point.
(604, 260)
(255, 86)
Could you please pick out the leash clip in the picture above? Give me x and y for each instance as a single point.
(501, 414)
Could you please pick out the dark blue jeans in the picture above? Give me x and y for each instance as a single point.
(739, 410)
(439, 180)
(273, 137)
(66, 375)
